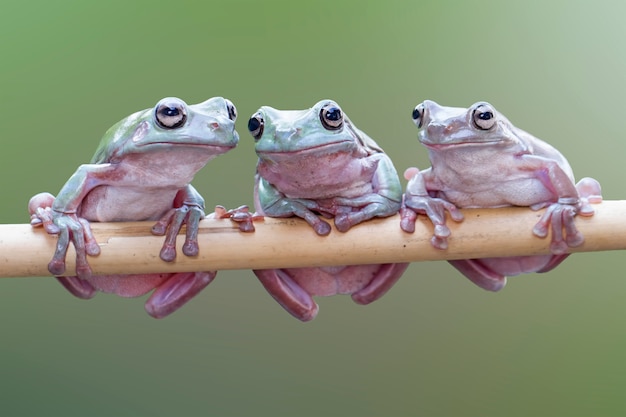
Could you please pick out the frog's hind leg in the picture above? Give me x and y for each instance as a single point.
(384, 279)
(78, 287)
(480, 275)
(555, 260)
(291, 296)
(176, 291)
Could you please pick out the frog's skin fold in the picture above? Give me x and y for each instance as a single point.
(480, 159)
(316, 162)
(142, 170)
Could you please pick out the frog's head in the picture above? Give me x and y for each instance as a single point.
(207, 128)
(321, 130)
(442, 127)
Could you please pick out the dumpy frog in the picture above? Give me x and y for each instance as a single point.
(479, 159)
(316, 162)
(141, 171)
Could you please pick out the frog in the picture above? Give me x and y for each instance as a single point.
(479, 159)
(141, 171)
(315, 164)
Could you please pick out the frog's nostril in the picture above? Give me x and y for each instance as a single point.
(214, 125)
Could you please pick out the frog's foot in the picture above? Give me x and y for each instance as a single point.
(78, 231)
(559, 217)
(385, 278)
(288, 293)
(170, 225)
(241, 215)
(78, 287)
(40, 210)
(435, 209)
(351, 215)
(176, 291)
(479, 274)
(590, 192)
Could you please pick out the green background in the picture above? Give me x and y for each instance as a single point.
(435, 345)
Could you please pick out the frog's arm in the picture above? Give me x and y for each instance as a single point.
(188, 208)
(553, 177)
(59, 216)
(417, 199)
(571, 199)
(86, 178)
(273, 203)
(385, 200)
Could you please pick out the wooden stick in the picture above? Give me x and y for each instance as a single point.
(131, 248)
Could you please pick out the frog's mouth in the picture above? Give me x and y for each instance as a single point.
(321, 149)
(445, 146)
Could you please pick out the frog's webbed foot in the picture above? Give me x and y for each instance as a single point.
(479, 274)
(288, 293)
(171, 223)
(70, 228)
(385, 278)
(176, 291)
(79, 288)
(241, 215)
(590, 192)
(559, 217)
(435, 209)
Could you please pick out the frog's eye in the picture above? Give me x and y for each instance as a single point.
(171, 113)
(418, 115)
(255, 126)
(232, 110)
(331, 117)
(484, 117)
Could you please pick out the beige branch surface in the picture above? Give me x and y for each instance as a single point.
(131, 248)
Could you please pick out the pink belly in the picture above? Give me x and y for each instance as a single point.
(333, 280)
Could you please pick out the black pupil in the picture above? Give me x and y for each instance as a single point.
(171, 111)
(416, 114)
(253, 124)
(333, 114)
(487, 115)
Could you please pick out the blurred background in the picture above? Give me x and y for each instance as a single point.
(435, 345)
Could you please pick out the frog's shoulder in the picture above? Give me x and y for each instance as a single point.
(112, 143)
(365, 141)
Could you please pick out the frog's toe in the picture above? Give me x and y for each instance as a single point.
(168, 253)
(322, 228)
(439, 242)
(56, 266)
(559, 247)
(191, 248)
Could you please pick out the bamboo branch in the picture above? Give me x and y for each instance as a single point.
(131, 248)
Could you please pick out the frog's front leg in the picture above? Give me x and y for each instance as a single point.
(188, 209)
(69, 227)
(288, 293)
(560, 216)
(275, 204)
(60, 216)
(384, 201)
(418, 200)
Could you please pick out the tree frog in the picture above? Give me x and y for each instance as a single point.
(480, 159)
(316, 162)
(141, 171)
